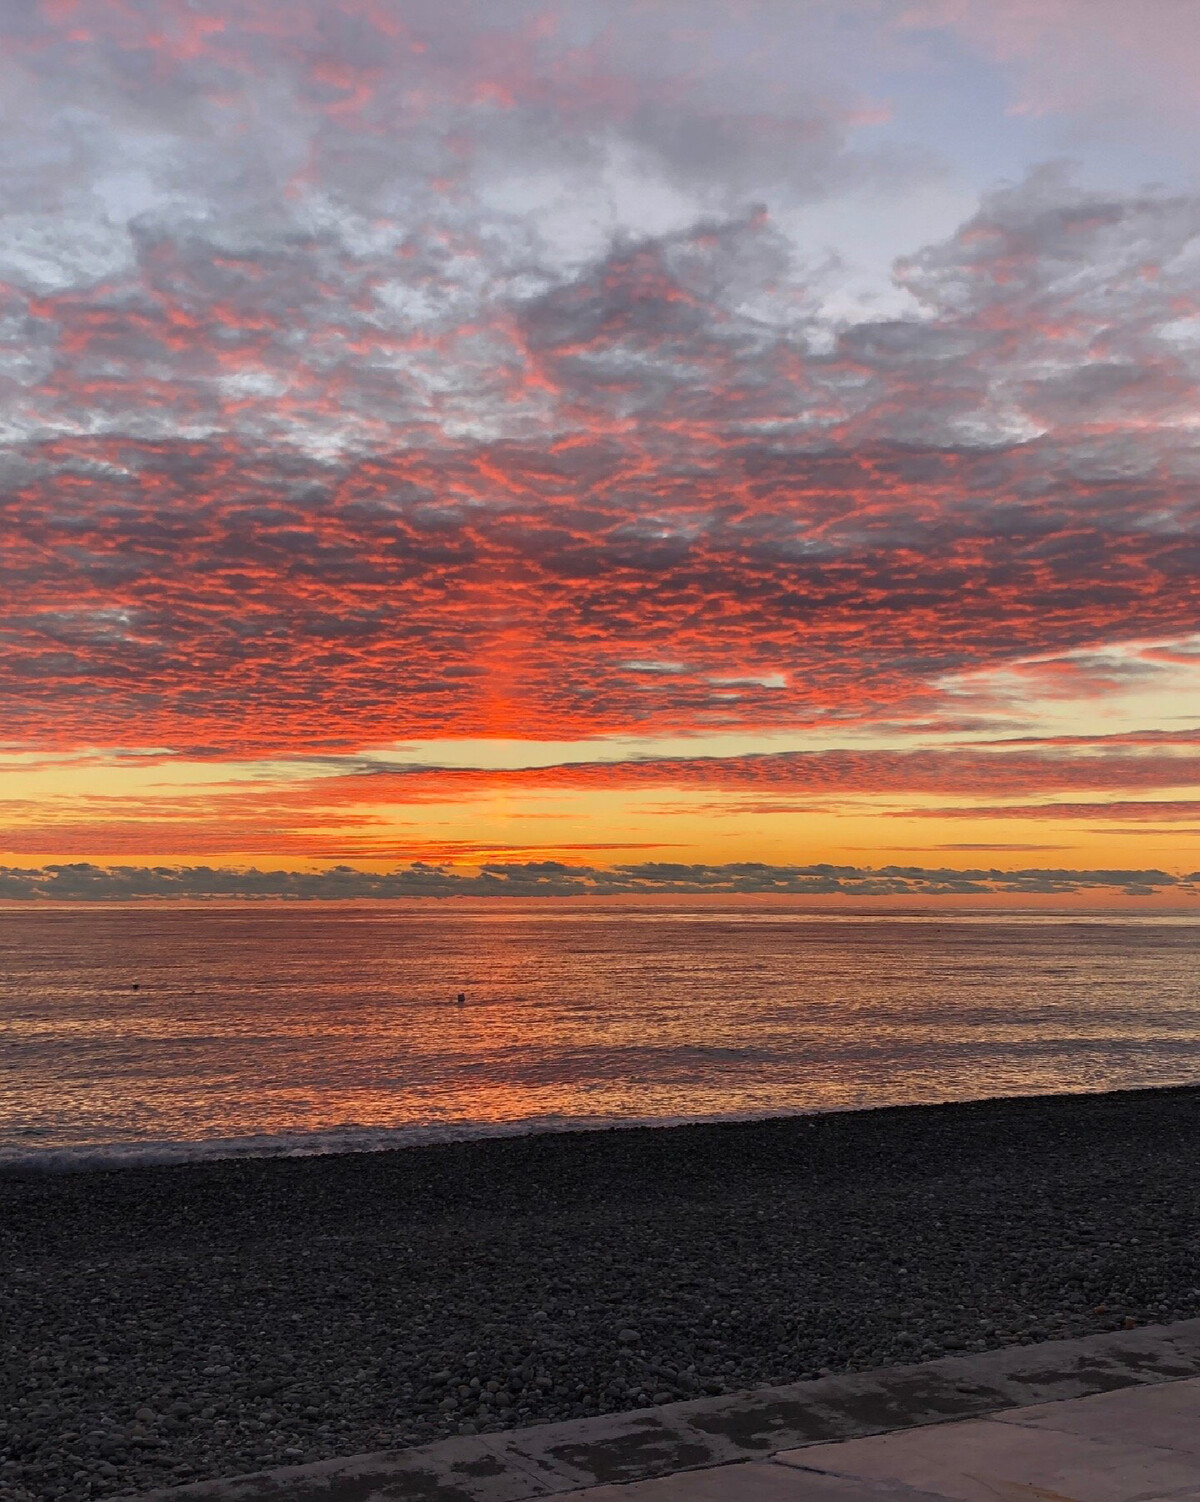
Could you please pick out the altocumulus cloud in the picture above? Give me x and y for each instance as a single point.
(333, 413)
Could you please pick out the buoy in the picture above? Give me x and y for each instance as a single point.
(462, 998)
(136, 987)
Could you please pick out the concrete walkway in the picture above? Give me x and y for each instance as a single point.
(1106, 1418)
(1134, 1445)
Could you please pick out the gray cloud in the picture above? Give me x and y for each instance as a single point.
(318, 322)
(85, 882)
(362, 225)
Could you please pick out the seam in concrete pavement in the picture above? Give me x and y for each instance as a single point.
(556, 1459)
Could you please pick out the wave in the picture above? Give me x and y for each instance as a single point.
(352, 1138)
(83, 1157)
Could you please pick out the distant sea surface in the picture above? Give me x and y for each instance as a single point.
(265, 1030)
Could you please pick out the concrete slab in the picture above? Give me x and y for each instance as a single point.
(982, 1460)
(755, 1482)
(1082, 1366)
(478, 1468)
(551, 1459)
(1167, 1414)
(711, 1431)
(624, 1446)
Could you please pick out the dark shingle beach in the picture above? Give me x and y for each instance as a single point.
(164, 1324)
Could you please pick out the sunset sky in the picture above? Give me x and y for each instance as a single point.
(622, 445)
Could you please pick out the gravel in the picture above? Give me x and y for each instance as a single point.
(165, 1324)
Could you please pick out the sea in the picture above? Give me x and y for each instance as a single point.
(146, 1034)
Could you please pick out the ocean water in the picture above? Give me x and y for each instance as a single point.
(260, 1030)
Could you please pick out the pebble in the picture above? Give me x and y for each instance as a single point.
(267, 1312)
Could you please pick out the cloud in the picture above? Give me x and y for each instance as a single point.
(200, 595)
(985, 845)
(368, 811)
(1166, 810)
(372, 373)
(964, 769)
(84, 882)
(1105, 68)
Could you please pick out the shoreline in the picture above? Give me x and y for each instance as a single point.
(178, 1322)
(363, 1141)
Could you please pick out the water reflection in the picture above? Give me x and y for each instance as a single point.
(252, 1021)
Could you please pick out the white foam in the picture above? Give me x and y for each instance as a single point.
(80, 1157)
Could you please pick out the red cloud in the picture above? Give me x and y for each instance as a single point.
(1146, 811)
(336, 455)
(337, 817)
(203, 595)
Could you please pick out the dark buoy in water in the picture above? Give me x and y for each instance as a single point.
(136, 986)
(462, 998)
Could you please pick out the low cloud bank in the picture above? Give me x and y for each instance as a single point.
(82, 881)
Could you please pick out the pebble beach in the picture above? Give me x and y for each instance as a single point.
(165, 1324)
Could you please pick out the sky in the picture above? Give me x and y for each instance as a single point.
(600, 446)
